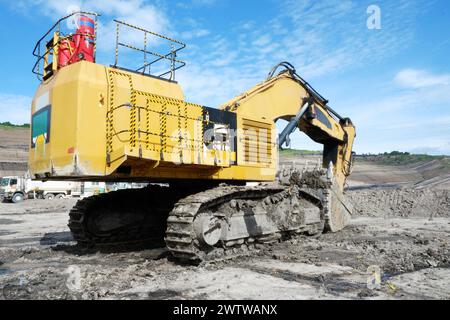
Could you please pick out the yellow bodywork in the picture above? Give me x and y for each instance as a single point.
(106, 123)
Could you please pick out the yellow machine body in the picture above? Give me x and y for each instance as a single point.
(111, 124)
(92, 122)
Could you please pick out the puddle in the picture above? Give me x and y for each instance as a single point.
(163, 294)
(53, 238)
(16, 242)
(4, 271)
(6, 233)
(10, 221)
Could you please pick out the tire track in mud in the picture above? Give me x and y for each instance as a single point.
(400, 202)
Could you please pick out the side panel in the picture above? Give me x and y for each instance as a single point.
(54, 110)
(256, 143)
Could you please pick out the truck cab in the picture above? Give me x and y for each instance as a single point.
(12, 189)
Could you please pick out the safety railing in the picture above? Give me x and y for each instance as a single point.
(150, 58)
(47, 48)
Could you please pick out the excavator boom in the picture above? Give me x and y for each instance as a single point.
(287, 96)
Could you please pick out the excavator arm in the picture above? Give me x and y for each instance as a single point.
(287, 96)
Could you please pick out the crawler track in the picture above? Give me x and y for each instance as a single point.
(123, 217)
(181, 237)
(218, 223)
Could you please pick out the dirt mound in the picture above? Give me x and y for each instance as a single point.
(441, 182)
(13, 166)
(379, 202)
(14, 138)
(13, 151)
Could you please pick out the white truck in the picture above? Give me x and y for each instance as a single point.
(17, 189)
(54, 189)
(13, 189)
(88, 189)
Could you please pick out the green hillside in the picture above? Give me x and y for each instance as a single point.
(294, 152)
(405, 158)
(9, 125)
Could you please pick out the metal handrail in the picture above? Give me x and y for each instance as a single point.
(150, 32)
(171, 56)
(150, 52)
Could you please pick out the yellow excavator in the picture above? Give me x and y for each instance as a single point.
(214, 191)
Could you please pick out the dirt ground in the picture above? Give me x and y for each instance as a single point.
(399, 235)
(424, 175)
(410, 253)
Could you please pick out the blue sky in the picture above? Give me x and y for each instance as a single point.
(393, 82)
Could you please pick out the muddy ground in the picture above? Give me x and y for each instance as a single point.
(401, 228)
(39, 260)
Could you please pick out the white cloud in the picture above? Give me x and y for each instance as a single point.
(204, 2)
(423, 92)
(415, 119)
(15, 108)
(262, 41)
(137, 12)
(186, 4)
(443, 121)
(330, 36)
(441, 148)
(412, 78)
(248, 25)
(427, 145)
(320, 38)
(196, 33)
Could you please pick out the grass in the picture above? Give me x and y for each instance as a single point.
(9, 125)
(394, 158)
(404, 158)
(294, 152)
